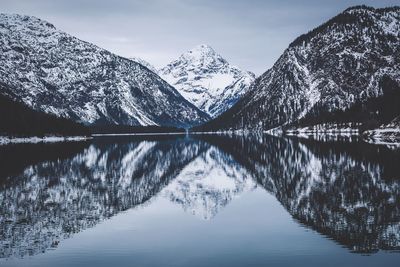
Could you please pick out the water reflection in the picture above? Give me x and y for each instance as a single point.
(53, 199)
(348, 191)
(209, 183)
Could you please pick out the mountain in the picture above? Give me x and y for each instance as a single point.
(207, 80)
(351, 60)
(144, 63)
(28, 122)
(54, 72)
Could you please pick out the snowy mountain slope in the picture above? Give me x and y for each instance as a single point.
(54, 72)
(207, 80)
(352, 58)
(144, 63)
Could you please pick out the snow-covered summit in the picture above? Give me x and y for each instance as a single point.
(201, 58)
(207, 80)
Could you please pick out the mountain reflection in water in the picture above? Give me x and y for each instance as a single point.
(347, 191)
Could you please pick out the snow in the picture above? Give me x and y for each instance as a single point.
(311, 93)
(216, 82)
(328, 128)
(128, 105)
(144, 63)
(5, 140)
(70, 78)
(207, 80)
(333, 67)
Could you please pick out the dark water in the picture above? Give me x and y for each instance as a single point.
(200, 201)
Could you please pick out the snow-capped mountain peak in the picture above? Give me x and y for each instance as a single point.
(202, 57)
(207, 80)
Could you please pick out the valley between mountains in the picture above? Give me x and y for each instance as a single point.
(341, 77)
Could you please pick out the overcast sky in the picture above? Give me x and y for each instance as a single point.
(249, 34)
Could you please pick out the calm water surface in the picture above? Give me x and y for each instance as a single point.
(202, 200)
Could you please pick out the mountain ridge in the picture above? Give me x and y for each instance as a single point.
(331, 68)
(145, 63)
(54, 72)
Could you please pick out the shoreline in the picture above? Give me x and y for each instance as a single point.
(370, 136)
(6, 140)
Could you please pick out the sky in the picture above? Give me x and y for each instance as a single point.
(250, 34)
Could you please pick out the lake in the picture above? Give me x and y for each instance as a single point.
(200, 200)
